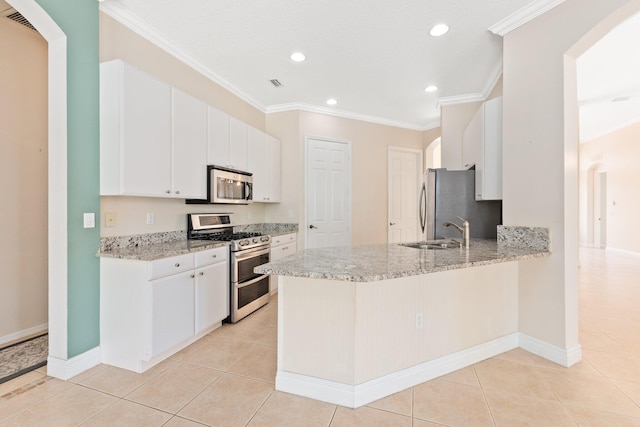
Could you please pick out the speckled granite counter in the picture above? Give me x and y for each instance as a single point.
(381, 262)
(160, 250)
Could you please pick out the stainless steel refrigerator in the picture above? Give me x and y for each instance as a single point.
(447, 195)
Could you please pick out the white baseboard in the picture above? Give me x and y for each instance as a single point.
(17, 336)
(65, 369)
(353, 396)
(622, 251)
(561, 356)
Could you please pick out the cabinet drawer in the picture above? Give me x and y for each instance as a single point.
(283, 239)
(212, 256)
(168, 266)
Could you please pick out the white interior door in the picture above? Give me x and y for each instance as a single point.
(328, 193)
(405, 180)
(600, 210)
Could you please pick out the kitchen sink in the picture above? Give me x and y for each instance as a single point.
(432, 244)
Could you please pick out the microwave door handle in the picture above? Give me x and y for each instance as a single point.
(249, 190)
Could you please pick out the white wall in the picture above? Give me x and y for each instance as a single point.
(541, 158)
(23, 172)
(616, 153)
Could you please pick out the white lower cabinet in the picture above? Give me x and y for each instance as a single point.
(282, 246)
(149, 310)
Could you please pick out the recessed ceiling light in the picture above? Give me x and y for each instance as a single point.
(331, 101)
(297, 57)
(439, 30)
(431, 88)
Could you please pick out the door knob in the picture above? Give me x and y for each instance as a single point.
(392, 223)
(312, 226)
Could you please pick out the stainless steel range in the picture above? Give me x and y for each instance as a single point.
(249, 291)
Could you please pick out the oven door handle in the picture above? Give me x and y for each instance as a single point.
(251, 282)
(240, 256)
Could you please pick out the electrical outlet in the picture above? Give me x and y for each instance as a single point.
(151, 218)
(419, 320)
(110, 219)
(89, 220)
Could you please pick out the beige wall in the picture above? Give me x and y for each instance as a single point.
(616, 154)
(118, 42)
(370, 143)
(23, 172)
(541, 159)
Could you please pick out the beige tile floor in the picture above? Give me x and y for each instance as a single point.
(226, 379)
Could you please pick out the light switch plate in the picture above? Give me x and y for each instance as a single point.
(89, 220)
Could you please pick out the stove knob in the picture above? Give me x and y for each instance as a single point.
(264, 239)
(255, 240)
(243, 243)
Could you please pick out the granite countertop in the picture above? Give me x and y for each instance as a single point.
(380, 262)
(155, 251)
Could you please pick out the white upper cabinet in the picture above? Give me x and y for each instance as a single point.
(188, 146)
(218, 137)
(264, 163)
(153, 138)
(238, 144)
(228, 141)
(135, 132)
(482, 147)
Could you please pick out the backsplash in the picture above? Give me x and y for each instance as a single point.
(524, 237)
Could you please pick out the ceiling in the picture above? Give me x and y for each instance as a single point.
(609, 81)
(375, 57)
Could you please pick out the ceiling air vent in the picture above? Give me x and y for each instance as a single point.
(16, 16)
(275, 82)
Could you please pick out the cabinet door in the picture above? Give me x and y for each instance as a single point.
(238, 144)
(217, 137)
(257, 163)
(212, 295)
(172, 311)
(140, 140)
(272, 157)
(472, 140)
(492, 150)
(188, 146)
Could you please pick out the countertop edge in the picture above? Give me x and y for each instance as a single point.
(162, 250)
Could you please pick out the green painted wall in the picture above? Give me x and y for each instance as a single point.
(78, 19)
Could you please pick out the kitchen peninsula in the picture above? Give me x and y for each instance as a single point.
(356, 324)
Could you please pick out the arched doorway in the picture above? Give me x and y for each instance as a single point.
(57, 177)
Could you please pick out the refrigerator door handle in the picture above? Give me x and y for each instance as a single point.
(423, 207)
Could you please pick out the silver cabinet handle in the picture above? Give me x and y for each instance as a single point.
(177, 264)
(285, 248)
(192, 276)
(177, 191)
(312, 226)
(392, 223)
(201, 273)
(168, 191)
(215, 256)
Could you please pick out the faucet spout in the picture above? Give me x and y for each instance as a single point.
(464, 229)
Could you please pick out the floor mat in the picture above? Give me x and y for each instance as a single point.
(18, 359)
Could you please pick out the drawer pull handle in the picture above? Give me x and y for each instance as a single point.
(193, 275)
(215, 256)
(202, 273)
(285, 248)
(177, 264)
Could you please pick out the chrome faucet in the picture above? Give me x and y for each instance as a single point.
(464, 229)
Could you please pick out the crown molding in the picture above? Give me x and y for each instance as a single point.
(523, 16)
(460, 99)
(493, 79)
(137, 25)
(299, 106)
(148, 32)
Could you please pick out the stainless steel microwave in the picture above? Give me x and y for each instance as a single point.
(227, 186)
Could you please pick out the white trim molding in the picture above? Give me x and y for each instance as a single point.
(354, 396)
(299, 106)
(65, 369)
(522, 16)
(20, 335)
(562, 356)
(460, 99)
